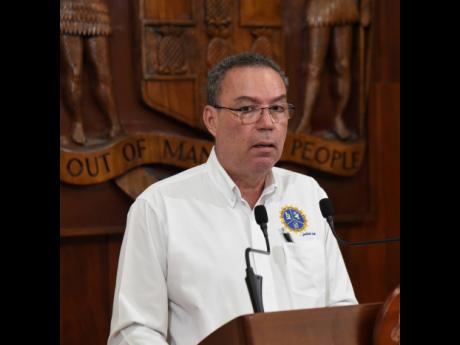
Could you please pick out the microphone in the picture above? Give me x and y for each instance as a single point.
(261, 216)
(254, 281)
(327, 211)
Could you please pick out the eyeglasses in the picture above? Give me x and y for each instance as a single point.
(250, 114)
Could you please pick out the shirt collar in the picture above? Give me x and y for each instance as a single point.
(228, 187)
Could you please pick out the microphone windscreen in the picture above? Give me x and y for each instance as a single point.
(261, 214)
(325, 206)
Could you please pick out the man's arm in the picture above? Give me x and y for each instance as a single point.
(140, 308)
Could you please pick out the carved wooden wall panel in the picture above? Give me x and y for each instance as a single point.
(172, 46)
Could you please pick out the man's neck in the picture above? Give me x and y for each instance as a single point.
(251, 185)
(251, 188)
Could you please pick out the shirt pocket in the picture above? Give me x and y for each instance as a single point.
(305, 273)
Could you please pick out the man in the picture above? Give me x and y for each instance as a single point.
(181, 270)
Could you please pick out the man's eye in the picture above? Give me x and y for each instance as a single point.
(246, 109)
(277, 108)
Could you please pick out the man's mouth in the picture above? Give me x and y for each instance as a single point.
(264, 145)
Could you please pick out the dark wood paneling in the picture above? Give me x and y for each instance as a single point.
(386, 54)
(92, 231)
(97, 206)
(375, 269)
(85, 311)
(388, 104)
(113, 252)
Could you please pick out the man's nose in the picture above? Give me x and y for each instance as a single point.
(266, 119)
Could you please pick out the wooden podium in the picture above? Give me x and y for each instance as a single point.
(363, 324)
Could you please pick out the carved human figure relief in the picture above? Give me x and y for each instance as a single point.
(330, 24)
(85, 27)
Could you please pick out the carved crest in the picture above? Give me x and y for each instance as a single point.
(181, 41)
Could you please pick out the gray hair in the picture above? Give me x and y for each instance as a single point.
(216, 74)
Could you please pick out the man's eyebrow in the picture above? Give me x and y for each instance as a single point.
(245, 98)
(282, 97)
(252, 99)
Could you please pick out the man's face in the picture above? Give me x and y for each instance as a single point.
(249, 150)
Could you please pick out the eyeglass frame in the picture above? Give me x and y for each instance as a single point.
(237, 112)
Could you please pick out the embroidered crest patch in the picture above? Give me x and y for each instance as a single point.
(293, 219)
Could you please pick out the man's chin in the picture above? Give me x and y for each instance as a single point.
(263, 164)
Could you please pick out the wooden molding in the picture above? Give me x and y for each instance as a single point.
(92, 231)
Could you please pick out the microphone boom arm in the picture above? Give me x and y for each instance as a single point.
(254, 282)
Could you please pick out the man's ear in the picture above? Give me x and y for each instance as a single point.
(210, 119)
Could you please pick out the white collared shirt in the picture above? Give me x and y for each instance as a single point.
(181, 272)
